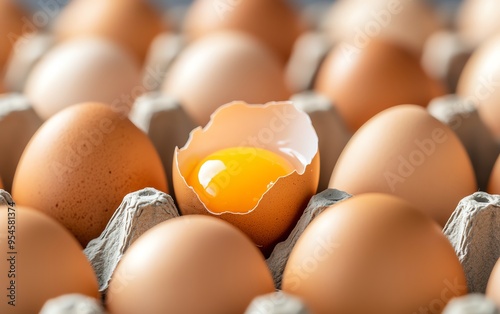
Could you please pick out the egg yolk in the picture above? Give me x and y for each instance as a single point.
(234, 179)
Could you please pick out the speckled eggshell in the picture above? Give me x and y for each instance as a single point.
(48, 263)
(406, 152)
(82, 70)
(190, 264)
(374, 253)
(278, 127)
(81, 163)
(130, 23)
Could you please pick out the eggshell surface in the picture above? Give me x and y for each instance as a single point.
(406, 152)
(275, 23)
(133, 24)
(479, 83)
(40, 260)
(190, 264)
(357, 22)
(88, 69)
(12, 27)
(493, 287)
(224, 67)
(81, 163)
(374, 253)
(363, 83)
(277, 127)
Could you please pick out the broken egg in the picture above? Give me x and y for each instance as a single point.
(279, 132)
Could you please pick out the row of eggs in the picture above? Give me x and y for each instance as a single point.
(407, 159)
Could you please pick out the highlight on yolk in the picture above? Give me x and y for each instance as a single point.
(234, 179)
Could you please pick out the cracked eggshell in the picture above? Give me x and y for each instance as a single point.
(277, 126)
(49, 261)
(12, 27)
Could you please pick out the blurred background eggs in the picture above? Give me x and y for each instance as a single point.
(82, 70)
(374, 253)
(133, 24)
(363, 82)
(223, 67)
(12, 27)
(274, 23)
(277, 127)
(480, 80)
(81, 163)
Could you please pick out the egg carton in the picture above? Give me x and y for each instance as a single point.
(469, 230)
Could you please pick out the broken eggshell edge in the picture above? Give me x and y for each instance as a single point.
(288, 129)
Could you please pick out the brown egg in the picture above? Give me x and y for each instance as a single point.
(357, 22)
(493, 287)
(494, 181)
(81, 163)
(224, 67)
(365, 82)
(406, 152)
(12, 27)
(81, 70)
(479, 83)
(40, 260)
(374, 253)
(130, 23)
(477, 20)
(277, 127)
(190, 264)
(275, 23)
